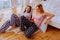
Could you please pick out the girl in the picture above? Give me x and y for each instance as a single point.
(14, 22)
(30, 27)
(40, 15)
(26, 15)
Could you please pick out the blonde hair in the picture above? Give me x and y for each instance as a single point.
(40, 8)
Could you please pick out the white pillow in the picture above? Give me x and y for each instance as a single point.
(43, 26)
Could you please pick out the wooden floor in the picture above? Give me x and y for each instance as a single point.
(51, 34)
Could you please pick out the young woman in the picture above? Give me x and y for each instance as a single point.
(25, 18)
(40, 15)
(14, 22)
(30, 27)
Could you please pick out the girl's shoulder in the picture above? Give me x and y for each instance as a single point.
(44, 14)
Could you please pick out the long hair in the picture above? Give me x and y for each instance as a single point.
(40, 8)
(29, 7)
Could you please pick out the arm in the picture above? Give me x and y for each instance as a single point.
(50, 16)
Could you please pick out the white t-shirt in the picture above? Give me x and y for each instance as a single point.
(27, 15)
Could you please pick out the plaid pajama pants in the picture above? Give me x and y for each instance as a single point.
(14, 21)
(27, 27)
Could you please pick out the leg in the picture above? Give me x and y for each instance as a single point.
(5, 26)
(22, 23)
(15, 20)
(25, 23)
(31, 30)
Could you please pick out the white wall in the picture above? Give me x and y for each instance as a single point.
(52, 6)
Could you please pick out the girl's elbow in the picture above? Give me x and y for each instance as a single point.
(53, 15)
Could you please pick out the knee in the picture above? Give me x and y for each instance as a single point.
(13, 16)
(8, 21)
(22, 18)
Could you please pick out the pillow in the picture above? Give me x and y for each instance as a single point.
(43, 26)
